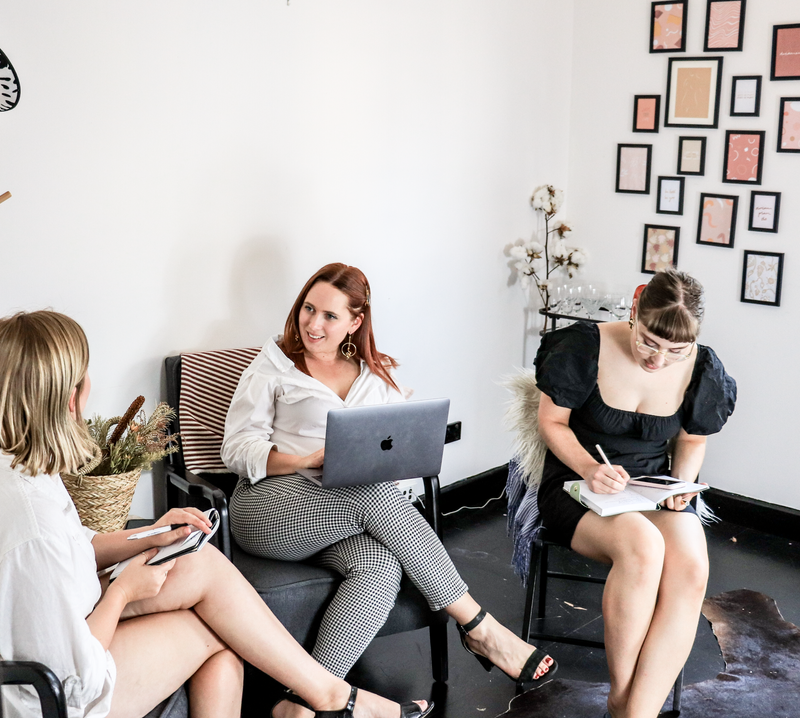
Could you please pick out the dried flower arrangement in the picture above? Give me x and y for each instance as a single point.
(136, 442)
(536, 261)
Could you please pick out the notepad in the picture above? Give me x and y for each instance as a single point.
(639, 495)
(193, 542)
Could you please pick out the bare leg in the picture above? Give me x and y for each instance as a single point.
(152, 664)
(674, 625)
(236, 617)
(635, 548)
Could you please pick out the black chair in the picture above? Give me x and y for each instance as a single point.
(297, 593)
(44, 682)
(539, 575)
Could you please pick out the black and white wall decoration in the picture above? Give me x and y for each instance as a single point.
(9, 84)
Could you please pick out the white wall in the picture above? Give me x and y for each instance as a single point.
(179, 169)
(755, 453)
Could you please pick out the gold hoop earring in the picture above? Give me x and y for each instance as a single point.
(631, 321)
(348, 348)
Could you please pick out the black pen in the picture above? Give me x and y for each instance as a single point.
(155, 532)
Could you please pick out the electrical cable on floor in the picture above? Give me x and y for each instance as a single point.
(471, 508)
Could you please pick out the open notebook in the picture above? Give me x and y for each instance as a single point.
(642, 493)
(193, 542)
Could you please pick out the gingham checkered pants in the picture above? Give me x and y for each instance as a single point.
(369, 534)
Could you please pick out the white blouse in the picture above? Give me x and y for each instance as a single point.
(48, 586)
(277, 405)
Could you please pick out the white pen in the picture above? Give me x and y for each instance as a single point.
(605, 458)
(607, 462)
(155, 532)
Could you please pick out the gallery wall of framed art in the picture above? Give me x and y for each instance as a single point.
(716, 113)
(726, 227)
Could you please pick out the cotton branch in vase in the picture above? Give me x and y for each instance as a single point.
(536, 261)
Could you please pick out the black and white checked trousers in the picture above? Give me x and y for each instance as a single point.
(369, 534)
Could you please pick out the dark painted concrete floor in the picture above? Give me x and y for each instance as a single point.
(399, 666)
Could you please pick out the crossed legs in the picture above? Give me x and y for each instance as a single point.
(651, 602)
(205, 619)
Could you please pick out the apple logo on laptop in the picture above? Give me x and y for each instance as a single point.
(386, 444)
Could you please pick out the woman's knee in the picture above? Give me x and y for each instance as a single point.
(641, 546)
(689, 567)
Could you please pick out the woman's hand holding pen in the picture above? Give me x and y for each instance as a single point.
(183, 521)
(606, 478)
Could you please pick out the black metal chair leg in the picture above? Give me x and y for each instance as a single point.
(676, 693)
(533, 575)
(439, 664)
(544, 561)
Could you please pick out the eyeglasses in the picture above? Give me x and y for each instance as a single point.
(670, 355)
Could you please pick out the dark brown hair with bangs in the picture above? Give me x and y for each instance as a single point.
(354, 285)
(671, 306)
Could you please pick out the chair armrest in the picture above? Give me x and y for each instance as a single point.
(196, 486)
(44, 681)
(433, 506)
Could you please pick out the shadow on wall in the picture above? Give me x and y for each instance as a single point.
(259, 299)
(259, 296)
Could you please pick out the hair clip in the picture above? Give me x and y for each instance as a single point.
(367, 302)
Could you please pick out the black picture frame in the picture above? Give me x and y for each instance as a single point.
(621, 169)
(674, 112)
(749, 294)
(676, 238)
(782, 145)
(653, 9)
(683, 161)
(662, 181)
(756, 100)
(739, 29)
(726, 166)
(704, 196)
(775, 211)
(774, 68)
(636, 112)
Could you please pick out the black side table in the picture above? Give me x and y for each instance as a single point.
(555, 316)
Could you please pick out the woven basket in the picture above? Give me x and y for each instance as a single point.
(103, 502)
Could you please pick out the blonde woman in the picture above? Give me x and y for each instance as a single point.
(121, 649)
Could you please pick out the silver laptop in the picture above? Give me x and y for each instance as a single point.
(388, 442)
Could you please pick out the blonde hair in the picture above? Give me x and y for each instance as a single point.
(43, 356)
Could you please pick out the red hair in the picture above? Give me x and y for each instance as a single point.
(354, 285)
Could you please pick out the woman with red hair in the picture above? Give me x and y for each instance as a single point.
(327, 359)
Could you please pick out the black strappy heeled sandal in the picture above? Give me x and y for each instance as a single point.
(292, 697)
(528, 670)
(407, 710)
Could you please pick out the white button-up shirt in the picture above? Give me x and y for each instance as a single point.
(48, 586)
(277, 405)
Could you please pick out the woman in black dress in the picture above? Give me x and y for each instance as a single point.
(642, 390)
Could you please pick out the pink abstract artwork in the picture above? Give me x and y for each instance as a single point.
(787, 52)
(646, 114)
(633, 169)
(790, 125)
(660, 249)
(743, 158)
(723, 24)
(717, 219)
(668, 27)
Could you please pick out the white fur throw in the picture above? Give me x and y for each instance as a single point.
(522, 417)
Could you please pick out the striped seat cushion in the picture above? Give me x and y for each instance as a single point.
(208, 381)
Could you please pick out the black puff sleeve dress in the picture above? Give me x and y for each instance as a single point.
(566, 370)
